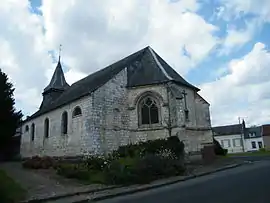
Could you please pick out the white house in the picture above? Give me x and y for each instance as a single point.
(135, 99)
(230, 137)
(253, 139)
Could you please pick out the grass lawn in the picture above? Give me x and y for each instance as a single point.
(10, 191)
(255, 153)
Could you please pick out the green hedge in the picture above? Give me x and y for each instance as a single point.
(172, 144)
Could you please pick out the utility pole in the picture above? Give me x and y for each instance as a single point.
(242, 133)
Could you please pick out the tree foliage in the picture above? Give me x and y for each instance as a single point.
(9, 118)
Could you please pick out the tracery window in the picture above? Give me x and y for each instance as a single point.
(149, 111)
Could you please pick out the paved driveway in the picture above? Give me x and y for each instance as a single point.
(247, 184)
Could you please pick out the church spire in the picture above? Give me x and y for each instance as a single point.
(58, 81)
(56, 86)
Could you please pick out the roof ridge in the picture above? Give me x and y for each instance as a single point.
(159, 64)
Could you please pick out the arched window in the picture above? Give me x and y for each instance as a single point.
(26, 128)
(32, 132)
(46, 128)
(148, 111)
(77, 111)
(64, 123)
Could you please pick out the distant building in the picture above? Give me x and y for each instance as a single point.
(230, 137)
(266, 136)
(253, 138)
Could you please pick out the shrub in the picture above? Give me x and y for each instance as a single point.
(152, 167)
(142, 170)
(78, 171)
(96, 162)
(218, 149)
(37, 162)
(120, 171)
(173, 144)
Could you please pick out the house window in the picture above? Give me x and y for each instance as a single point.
(237, 142)
(26, 128)
(149, 111)
(77, 112)
(253, 144)
(252, 134)
(32, 132)
(226, 143)
(46, 128)
(64, 123)
(260, 145)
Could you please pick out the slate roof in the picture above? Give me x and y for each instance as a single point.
(58, 81)
(144, 67)
(227, 130)
(253, 132)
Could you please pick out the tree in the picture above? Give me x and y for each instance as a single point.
(9, 118)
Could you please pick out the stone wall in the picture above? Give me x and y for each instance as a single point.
(108, 121)
(57, 144)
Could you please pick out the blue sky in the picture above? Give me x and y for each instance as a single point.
(199, 75)
(221, 46)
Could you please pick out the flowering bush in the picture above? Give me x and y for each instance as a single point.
(166, 153)
(131, 164)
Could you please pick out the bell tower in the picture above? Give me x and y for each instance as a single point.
(56, 86)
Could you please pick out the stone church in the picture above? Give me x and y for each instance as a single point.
(135, 99)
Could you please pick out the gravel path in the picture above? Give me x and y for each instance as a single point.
(44, 183)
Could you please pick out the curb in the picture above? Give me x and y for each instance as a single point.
(69, 195)
(148, 187)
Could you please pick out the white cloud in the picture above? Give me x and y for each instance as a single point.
(244, 91)
(94, 34)
(23, 54)
(236, 8)
(236, 38)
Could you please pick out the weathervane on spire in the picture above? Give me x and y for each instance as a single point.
(60, 49)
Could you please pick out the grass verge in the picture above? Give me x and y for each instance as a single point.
(255, 153)
(10, 191)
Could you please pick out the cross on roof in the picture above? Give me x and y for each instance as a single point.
(60, 49)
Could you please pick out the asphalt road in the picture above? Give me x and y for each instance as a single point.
(247, 184)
